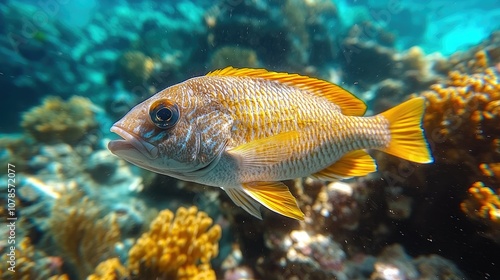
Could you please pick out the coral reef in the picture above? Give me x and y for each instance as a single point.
(75, 225)
(123, 51)
(30, 264)
(60, 121)
(462, 120)
(468, 105)
(175, 247)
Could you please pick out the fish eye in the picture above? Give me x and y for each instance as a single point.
(164, 114)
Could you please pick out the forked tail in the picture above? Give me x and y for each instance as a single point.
(407, 137)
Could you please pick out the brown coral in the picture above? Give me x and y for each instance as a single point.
(135, 68)
(60, 121)
(83, 237)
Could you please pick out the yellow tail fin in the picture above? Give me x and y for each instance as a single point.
(407, 137)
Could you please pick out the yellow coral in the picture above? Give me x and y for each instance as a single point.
(30, 264)
(110, 269)
(481, 59)
(484, 204)
(463, 116)
(135, 68)
(234, 56)
(176, 248)
(57, 120)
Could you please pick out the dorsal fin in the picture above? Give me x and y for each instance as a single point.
(348, 103)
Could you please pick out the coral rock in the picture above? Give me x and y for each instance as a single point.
(60, 121)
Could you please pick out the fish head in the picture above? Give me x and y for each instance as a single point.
(178, 131)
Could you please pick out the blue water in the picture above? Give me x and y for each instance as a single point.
(117, 53)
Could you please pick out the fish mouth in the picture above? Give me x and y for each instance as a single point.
(131, 141)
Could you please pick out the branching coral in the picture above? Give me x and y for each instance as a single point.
(84, 238)
(60, 121)
(462, 117)
(176, 248)
(110, 269)
(484, 204)
(30, 264)
(135, 68)
(179, 247)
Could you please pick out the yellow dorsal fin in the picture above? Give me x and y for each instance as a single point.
(407, 137)
(349, 104)
(276, 197)
(353, 164)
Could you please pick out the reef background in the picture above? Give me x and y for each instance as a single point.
(69, 69)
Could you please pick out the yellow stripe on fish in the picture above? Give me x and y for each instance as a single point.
(245, 130)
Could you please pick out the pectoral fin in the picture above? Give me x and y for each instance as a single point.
(276, 197)
(353, 164)
(265, 151)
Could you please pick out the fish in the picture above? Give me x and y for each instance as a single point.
(247, 130)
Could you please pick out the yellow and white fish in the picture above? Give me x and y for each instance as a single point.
(245, 130)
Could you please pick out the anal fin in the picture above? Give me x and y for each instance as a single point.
(276, 197)
(240, 198)
(352, 164)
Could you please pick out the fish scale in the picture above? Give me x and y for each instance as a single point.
(245, 130)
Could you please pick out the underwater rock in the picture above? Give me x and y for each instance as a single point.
(302, 255)
(365, 59)
(393, 263)
(101, 166)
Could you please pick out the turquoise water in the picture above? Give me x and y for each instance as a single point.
(69, 69)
